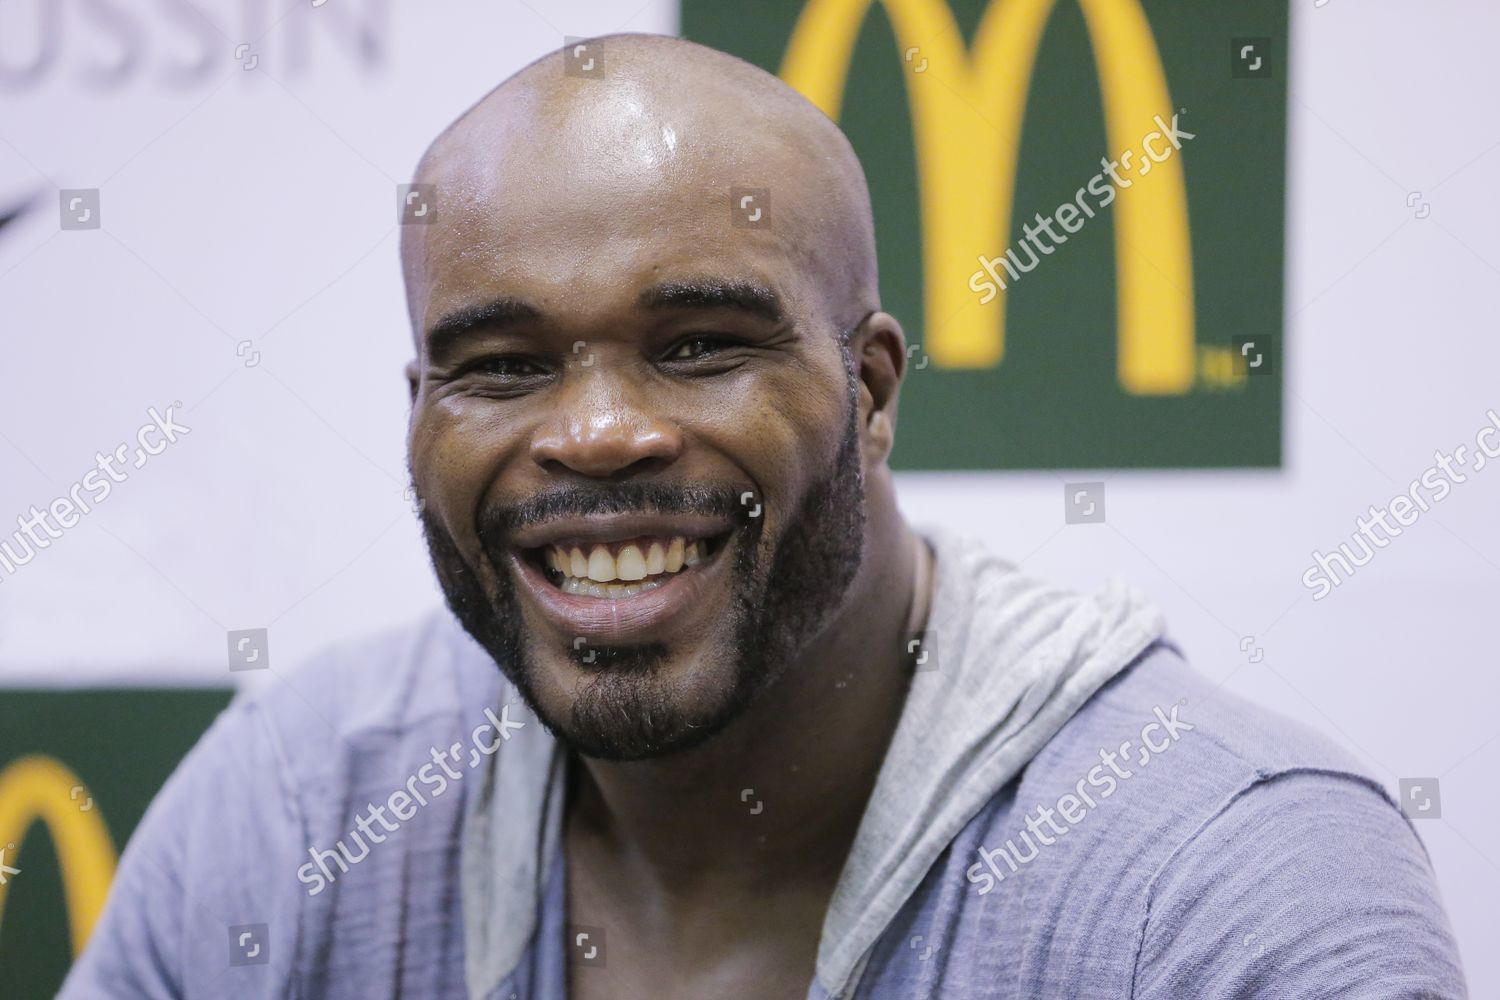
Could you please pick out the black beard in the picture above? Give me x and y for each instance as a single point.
(628, 711)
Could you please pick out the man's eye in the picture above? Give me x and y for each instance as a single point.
(697, 347)
(508, 367)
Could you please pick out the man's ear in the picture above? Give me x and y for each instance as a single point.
(413, 375)
(878, 347)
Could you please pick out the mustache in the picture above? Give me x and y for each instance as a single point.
(500, 521)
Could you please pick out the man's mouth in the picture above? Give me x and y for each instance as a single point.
(620, 569)
(624, 578)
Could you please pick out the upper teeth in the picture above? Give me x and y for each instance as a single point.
(636, 560)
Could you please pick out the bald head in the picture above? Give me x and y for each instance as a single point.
(575, 163)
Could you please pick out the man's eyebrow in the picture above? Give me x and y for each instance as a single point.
(746, 296)
(489, 315)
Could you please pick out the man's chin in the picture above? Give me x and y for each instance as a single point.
(626, 703)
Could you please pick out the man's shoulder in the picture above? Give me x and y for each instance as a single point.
(314, 797)
(1161, 754)
(1157, 837)
(1160, 715)
(1158, 761)
(347, 724)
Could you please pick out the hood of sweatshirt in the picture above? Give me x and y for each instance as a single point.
(1010, 659)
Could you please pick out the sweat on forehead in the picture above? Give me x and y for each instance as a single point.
(669, 123)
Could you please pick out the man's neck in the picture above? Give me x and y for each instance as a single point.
(777, 796)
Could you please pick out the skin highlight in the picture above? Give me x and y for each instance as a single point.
(722, 359)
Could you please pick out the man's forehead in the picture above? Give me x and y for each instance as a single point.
(566, 253)
(547, 193)
(627, 153)
(551, 226)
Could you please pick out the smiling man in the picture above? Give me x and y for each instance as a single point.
(708, 718)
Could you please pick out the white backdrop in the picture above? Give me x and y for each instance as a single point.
(259, 205)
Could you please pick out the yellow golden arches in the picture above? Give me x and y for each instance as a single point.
(966, 121)
(41, 788)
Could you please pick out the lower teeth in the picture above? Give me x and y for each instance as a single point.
(591, 588)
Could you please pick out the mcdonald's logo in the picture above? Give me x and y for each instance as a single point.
(967, 110)
(39, 788)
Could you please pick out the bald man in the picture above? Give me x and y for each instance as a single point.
(708, 719)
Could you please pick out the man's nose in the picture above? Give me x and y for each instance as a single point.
(605, 427)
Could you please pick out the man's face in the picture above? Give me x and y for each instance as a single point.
(637, 440)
